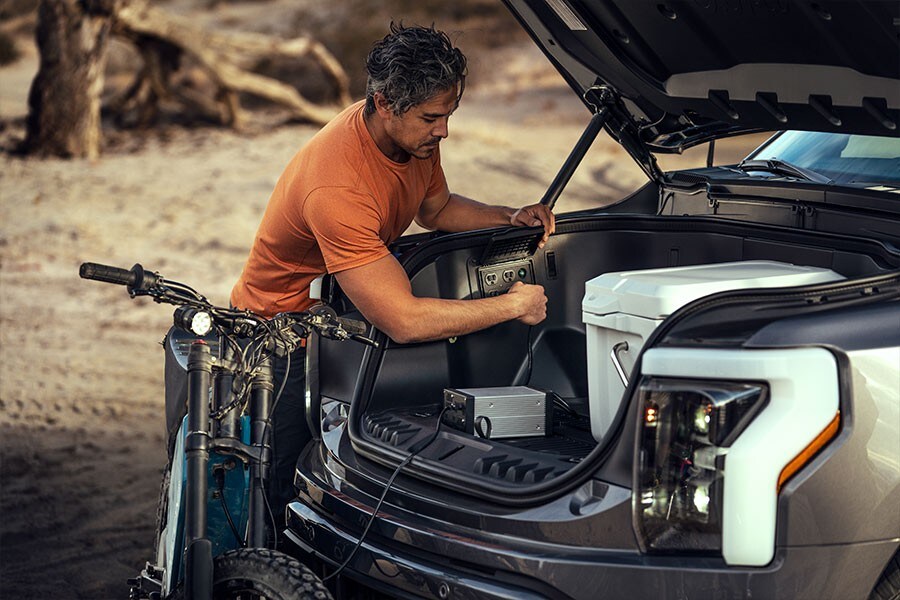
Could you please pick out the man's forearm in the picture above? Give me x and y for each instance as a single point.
(464, 214)
(427, 319)
(381, 290)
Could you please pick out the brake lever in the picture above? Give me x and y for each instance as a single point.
(328, 325)
(364, 340)
(339, 333)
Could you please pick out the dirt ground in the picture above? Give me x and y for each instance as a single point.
(80, 365)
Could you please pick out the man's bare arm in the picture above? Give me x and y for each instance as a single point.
(382, 292)
(459, 213)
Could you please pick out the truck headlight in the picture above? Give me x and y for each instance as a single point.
(684, 433)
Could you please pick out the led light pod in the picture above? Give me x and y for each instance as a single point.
(196, 321)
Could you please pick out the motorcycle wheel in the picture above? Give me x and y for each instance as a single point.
(259, 573)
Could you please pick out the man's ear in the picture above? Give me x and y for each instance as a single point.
(382, 106)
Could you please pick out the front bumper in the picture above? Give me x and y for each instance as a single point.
(411, 555)
(384, 570)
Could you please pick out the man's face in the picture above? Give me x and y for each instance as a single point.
(418, 131)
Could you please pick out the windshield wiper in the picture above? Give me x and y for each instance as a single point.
(781, 167)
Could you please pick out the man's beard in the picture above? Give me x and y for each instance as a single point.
(427, 149)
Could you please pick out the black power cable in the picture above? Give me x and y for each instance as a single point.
(530, 356)
(413, 451)
(220, 483)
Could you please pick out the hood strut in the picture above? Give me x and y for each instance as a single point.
(598, 120)
(607, 112)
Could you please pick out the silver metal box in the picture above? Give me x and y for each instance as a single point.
(500, 412)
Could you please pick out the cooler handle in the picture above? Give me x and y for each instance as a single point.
(614, 357)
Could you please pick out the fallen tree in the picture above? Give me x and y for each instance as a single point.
(161, 38)
(64, 105)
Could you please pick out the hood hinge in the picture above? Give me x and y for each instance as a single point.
(622, 127)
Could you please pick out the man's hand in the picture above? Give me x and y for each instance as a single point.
(458, 213)
(532, 302)
(533, 216)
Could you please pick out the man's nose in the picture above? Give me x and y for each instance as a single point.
(441, 128)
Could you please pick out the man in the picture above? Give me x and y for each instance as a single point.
(350, 192)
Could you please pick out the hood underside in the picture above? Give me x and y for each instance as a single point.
(693, 70)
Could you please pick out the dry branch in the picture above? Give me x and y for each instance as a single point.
(160, 37)
(20, 23)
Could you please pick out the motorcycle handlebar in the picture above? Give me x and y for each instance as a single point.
(137, 279)
(140, 281)
(107, 274)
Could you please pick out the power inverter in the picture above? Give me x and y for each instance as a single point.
(499, 412)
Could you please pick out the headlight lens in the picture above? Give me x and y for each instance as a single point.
(199, 322)
(685, 430)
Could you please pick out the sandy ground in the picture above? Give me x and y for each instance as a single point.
(80, 367)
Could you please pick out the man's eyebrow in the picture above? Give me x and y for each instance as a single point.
(439, 115)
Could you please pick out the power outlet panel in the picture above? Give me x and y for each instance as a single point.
(494, 280)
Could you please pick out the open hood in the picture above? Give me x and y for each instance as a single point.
(688, 71)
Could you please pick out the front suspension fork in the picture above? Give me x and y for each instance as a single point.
(261, 391)
(198, 557)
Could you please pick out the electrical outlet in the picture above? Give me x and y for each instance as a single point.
(497, 279)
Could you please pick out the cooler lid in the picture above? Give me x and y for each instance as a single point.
(657, 293)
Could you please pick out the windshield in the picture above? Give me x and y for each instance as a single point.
(861, 160)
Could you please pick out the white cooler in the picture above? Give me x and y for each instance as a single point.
(627, 306)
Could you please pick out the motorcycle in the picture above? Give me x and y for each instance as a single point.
(214, 524)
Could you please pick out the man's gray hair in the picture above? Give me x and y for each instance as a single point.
(412, 65)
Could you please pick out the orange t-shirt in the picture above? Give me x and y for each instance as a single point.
(337, 206)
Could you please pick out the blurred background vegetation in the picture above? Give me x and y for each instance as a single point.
(350, 27)
(347, 28)
(16, 16)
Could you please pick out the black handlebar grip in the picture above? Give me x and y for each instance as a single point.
(353, 326)
(108, 274)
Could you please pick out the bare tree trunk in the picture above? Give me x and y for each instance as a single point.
(64, 101)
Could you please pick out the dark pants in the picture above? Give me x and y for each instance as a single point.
(291, 431)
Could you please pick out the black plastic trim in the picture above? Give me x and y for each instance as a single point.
(854, 328)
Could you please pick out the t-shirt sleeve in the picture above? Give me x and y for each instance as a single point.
(346, 225)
